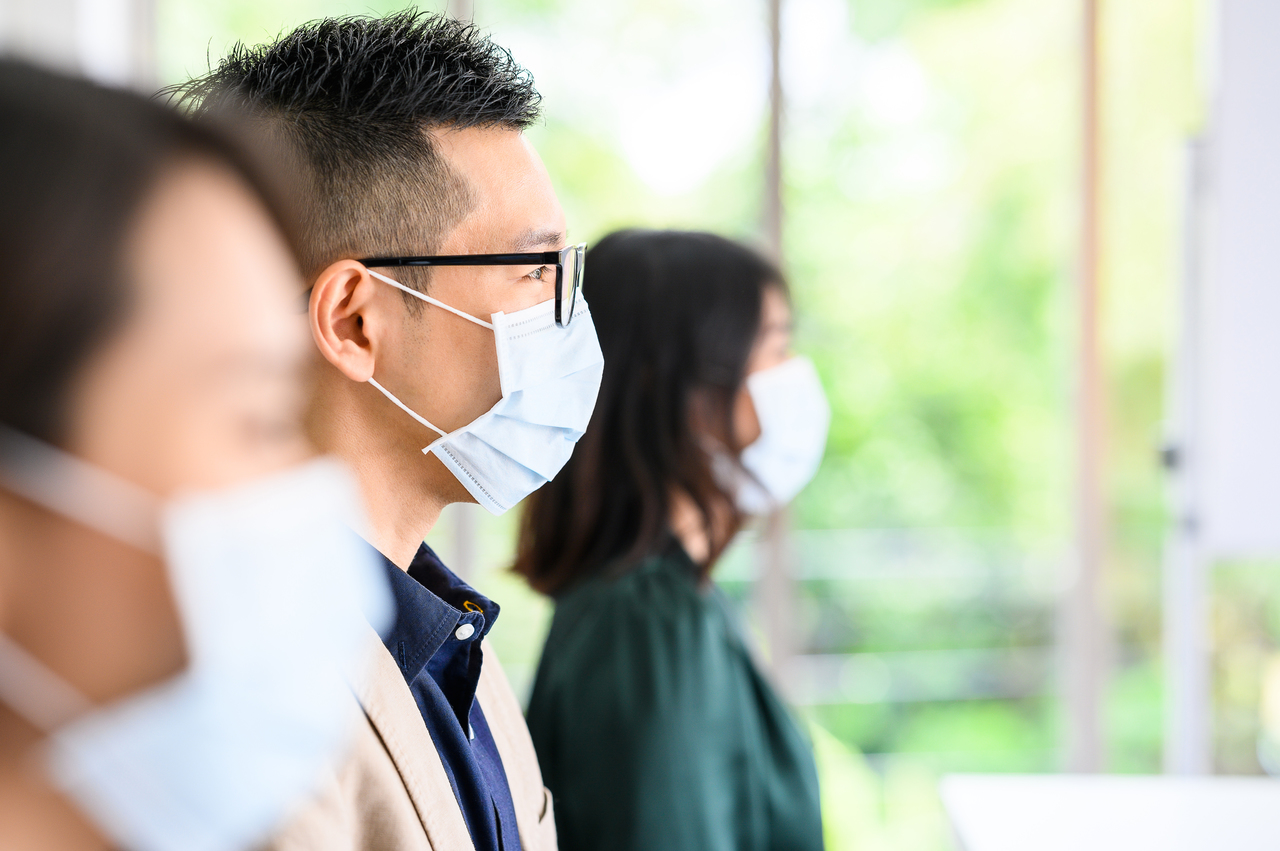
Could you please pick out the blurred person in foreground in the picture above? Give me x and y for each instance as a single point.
(176, 586)
(652, 723)
(453, 366)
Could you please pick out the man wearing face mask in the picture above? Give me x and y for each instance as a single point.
(456, 364)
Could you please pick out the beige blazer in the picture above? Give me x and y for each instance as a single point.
(391, 792)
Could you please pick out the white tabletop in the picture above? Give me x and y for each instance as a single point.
(1075, 812)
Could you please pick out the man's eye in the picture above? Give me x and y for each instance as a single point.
(539, 273)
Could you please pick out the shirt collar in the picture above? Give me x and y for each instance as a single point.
(430, 601)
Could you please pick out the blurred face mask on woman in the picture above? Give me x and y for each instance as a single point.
(265, 575)
(550, 378)
(794, 416)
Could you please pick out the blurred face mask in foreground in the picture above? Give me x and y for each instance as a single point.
(794, 416)
(550, 379)
(267, 577)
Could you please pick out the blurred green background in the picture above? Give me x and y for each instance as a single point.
(931, 190)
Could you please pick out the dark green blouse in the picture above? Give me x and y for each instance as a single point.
(656, 731)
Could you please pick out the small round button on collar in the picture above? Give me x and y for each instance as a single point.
(464, 632)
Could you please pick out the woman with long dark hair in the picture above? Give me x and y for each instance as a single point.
(654, 728)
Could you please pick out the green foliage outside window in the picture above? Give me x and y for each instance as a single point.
(931, 191)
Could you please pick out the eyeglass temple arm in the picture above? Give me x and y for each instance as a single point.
(465, 259)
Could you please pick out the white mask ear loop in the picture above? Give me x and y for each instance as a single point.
(430, 300)
(39, 696)
(467, 316)
(62, 483)
(402, 406)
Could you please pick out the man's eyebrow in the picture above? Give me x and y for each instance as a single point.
(539, 239)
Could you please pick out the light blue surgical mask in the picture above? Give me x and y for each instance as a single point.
(550, 379)
(794, 416)
(273, 590)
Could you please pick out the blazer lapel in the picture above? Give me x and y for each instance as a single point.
(519, 760)
(394, 714)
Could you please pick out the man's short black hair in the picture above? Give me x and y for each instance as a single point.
(353, 98)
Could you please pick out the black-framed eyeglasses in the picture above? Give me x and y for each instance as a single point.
(568, 263)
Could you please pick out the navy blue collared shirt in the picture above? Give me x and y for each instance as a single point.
(435, 640)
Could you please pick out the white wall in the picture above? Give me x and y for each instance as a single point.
(111, 41)
(1238, 322)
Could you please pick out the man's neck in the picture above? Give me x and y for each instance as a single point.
(404, 490)
(398, 517)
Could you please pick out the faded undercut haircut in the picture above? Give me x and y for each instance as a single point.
(350, 102)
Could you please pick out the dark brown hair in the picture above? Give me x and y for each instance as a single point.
(353, 98)
(78, 163)
(677, 314)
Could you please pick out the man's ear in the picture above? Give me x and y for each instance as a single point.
(342, 315)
